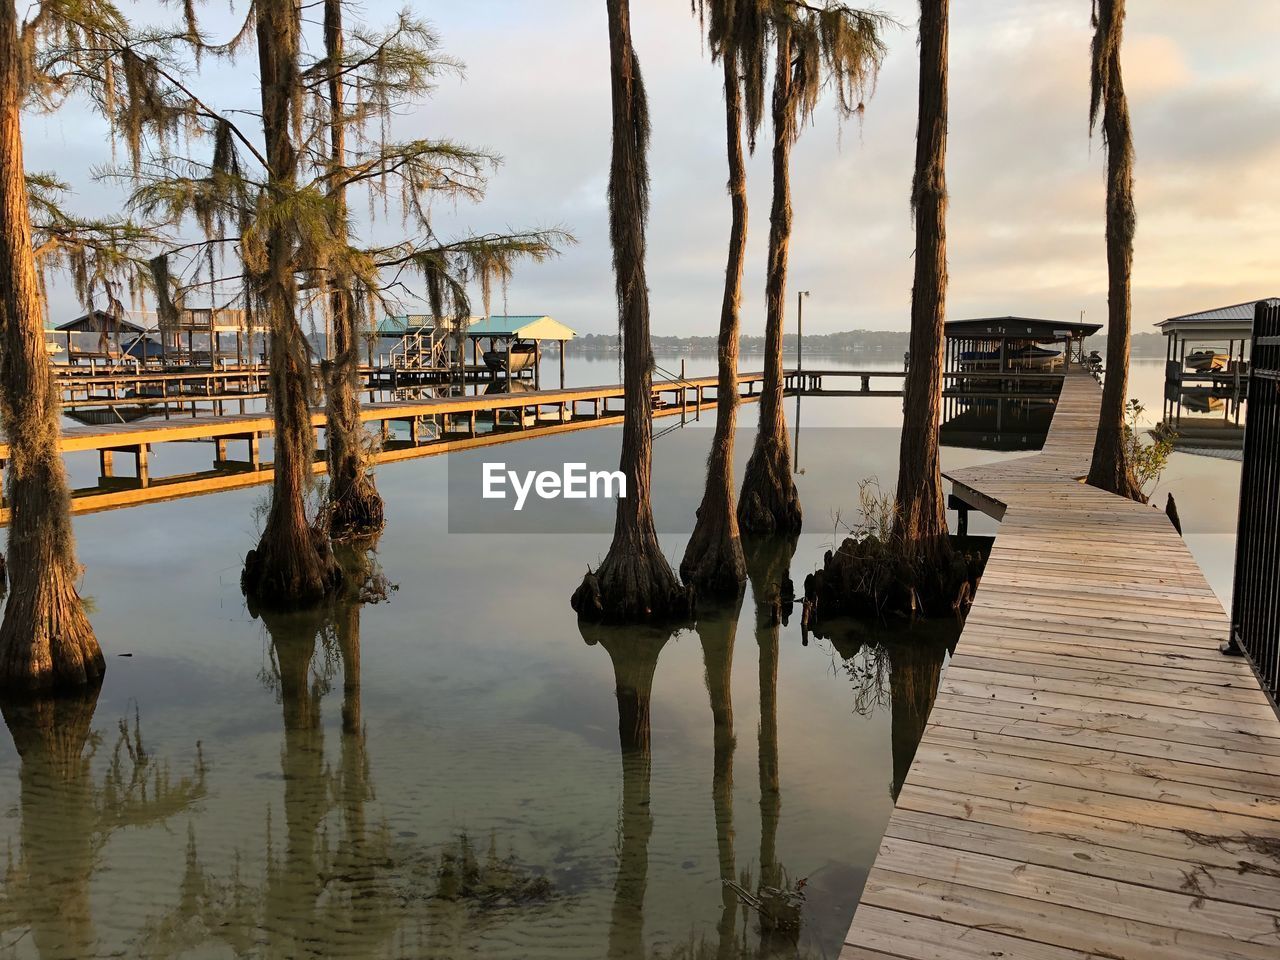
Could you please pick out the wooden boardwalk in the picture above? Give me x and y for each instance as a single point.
(1096, 779)
(434, 426)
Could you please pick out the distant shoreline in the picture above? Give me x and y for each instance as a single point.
(871, 344)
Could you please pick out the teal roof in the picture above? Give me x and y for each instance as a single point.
(520, 327)
(400, 325)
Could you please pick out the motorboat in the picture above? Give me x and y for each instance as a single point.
(1028, 357)
(1034, 357)
(518, 357)
(1206, 361)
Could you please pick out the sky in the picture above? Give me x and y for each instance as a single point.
(1026, 219)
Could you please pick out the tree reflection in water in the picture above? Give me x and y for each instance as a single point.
(634, 653)
(778, 900)
(68, 814)
(898, 663)
(335, 881)
(716, 631)
(771, 898)
(339, 885)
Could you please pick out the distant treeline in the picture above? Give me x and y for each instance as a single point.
(890, 343)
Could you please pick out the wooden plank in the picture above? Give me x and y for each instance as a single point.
(1121, 899)
(96, 500)
(1055, 924)
(204, 427)
(1095, 778)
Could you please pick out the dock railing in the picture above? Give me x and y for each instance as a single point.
(1255, 607)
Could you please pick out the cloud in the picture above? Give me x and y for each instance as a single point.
(1026, 179)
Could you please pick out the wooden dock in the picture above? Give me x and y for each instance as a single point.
(1096, 779)
(409, 429)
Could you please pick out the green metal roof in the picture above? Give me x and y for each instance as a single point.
(521, 328)
(401, 325)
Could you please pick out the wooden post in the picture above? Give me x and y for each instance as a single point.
(508, 366)
(106, 463)
(219, 450)
(255, 456)
(537, 364)
(562, 364)
(140, 458)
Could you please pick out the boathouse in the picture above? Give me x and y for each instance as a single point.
(1222, 330)
(197, 338)
(1014, 344)
(1207, 357)
(97, 335)
(513, 344)
(418, 342)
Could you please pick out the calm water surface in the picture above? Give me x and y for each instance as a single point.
(461, 771)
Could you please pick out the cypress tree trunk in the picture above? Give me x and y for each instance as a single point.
(634, 582)
(769, 503)
(46, 641)
(292, 564)
(355, 508)
(921, 523)
(1110, 469)
(713, 563)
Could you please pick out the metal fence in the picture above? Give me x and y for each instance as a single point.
(1255, 608)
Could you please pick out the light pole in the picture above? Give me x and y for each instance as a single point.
(800, 295)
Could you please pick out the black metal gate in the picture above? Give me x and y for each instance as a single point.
(1255, 607)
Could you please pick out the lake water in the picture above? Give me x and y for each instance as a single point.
(461, 771)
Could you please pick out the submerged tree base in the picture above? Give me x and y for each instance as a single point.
(714, 566)
(632, 587)
(769, 505)
(357, 513)
(46, 641)
(870, 576)
(278, 576)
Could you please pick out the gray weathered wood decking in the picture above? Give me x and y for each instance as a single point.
(1096, 780)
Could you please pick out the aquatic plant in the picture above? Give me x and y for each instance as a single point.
(1146, 460)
